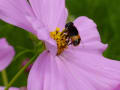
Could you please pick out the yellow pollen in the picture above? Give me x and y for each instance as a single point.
(60, 39)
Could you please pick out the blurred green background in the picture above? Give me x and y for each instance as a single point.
(106, 14)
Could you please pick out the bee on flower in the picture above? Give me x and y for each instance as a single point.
(65, 64)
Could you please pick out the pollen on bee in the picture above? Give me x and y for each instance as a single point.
(60, 40)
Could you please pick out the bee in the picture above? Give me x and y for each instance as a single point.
(73, 37)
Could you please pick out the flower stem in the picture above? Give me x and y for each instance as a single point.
(4, 76)
(20, 72)
(22, 53)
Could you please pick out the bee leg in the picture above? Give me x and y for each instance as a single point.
(64, 31)
(68, 40)
(70, 43)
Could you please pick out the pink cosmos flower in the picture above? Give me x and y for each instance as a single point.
(6, 54)
(77, 68)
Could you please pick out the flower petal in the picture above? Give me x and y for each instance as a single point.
(95, 71)
(90, 38)
(12, 88)
(50, 12)
(41, 31)
(63, 19)
(43, 34)
(15, 12)
(87, 29)
(74, 71)
(45, 74)
(6, 54)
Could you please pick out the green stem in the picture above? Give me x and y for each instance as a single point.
(21, 53)
(20, 72)
(4, 77)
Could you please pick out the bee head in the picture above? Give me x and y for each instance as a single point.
(69, 25)
(76, 42)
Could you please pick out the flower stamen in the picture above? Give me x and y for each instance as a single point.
(60, 39)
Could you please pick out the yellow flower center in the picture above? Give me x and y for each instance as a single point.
(60, 39)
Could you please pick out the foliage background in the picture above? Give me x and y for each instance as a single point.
(106, 13)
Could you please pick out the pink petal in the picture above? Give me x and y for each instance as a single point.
(87, 29)
(12, 88)
(90, 38)
(6, 54)
(41, 31)
(74, 70)
(63, 19)
(43, 34)
(15, 12)
(51, 12)
(45, 74)
(88, 71)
